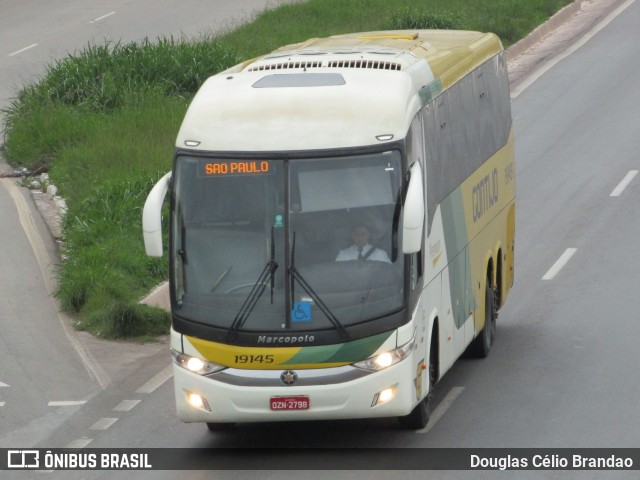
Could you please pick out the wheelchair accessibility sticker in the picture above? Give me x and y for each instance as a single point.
(301, 312)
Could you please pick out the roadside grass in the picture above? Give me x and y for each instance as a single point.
(103, 123)
(105, 180)
(511, 20)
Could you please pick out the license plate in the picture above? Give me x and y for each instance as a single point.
(290, 403)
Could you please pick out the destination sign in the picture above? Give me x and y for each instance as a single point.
(220, 168)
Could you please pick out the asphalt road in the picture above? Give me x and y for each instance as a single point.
(47, 374)
(563, 370)
(33, 34)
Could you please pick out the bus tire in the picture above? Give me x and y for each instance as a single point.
(419, 416)
(481, 345)
(220, 427)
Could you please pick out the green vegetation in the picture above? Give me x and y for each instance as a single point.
(103, 122)
(511, 20)
(411, 18)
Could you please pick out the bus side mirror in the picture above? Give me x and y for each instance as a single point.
(152, 217)
(413, 215)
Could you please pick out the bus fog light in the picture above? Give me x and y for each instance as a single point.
(386, 395)
(383, 396)
(198, 401)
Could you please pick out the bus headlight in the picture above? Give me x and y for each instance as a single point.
(386, 359)
(195, 364)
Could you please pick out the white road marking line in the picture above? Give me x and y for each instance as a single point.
(2, 404)
(551, 63)
(23, 49)
(103, 424)
(102, 17)
(2, 384)
(67, 403)
(157, 381)
(441, 409)
(126, 405)
(624, 183)
(560, 263)
(80, 442)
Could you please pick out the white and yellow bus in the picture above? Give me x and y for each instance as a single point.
(401, 137)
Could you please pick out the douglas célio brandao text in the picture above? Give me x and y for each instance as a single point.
(550, 462)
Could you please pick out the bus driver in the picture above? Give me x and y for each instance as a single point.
(361, 249)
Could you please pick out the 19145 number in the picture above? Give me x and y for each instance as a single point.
(253, 359)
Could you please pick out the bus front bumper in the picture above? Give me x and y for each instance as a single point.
(261, 396)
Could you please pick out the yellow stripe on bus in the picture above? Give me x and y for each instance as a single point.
(257, 358)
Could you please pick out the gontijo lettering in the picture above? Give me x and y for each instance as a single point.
(239, 167)
(485, 195)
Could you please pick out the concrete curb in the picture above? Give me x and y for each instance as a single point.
(543, 30)
(158, 297)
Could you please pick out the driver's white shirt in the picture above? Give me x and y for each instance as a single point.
(351, 253)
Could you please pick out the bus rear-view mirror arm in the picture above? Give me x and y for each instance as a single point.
(152, 217)
(413, 215)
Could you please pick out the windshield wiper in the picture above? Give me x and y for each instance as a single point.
(256, 292)
(295, 276)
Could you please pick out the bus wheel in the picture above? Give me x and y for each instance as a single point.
(481, 346)
(419, 416)
(220, 427)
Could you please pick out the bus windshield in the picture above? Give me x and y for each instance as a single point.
(268, 245)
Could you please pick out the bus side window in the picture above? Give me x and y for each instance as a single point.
(416, 269)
